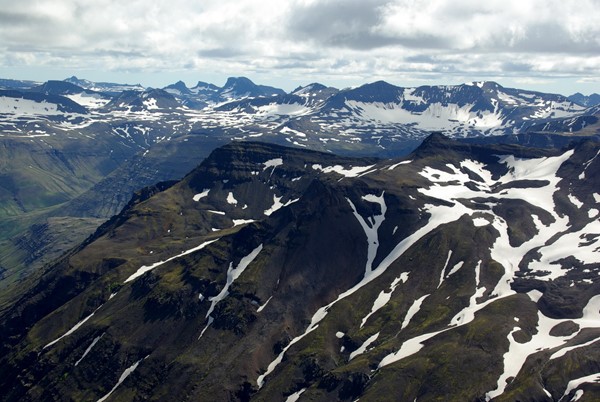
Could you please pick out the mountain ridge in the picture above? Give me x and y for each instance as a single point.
(269, 272)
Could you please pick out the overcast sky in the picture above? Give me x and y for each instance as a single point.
(545, 45)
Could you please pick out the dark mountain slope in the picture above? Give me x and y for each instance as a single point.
(270, 273)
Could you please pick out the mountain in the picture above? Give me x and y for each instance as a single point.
(150, 135)
(17, 84)
(205, 94)
(143, 101)
(586, 123)
(242, 87)
(482, 108)
(461, 272)
(587, 101)
(84, 97)
(25, 104)
(109, 88)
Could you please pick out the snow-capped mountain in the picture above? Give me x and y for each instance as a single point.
(142, 101)
(483, 108)
(17, 84)
(110, 88)
(460, 272)
(24, 106)
(587, 101)
(205, 94)
(144, 136)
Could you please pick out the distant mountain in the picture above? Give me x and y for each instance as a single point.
(205, 94)
(242, 87)
(26, 103)
(147, 101)
(588, 101)
(17, 84)
(106, 87)
(85, 97)
(58, 88)
(152, 135)
(462, 272)
(469, 109)
(586, 123)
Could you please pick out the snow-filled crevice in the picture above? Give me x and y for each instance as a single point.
(89, 348)
(232, 275)
(384, 297)
(277, 204)
(122, 378)
(363, 348)
(74, 328)
(371, 227)
(143, 269)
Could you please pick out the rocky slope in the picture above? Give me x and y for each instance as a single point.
(461, 272)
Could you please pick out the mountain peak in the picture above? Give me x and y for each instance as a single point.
(178, 86)
(238, 81)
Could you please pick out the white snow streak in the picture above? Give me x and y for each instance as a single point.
(261, 308)
(395, 165)
(238, 222)
(143, 269)
(351, 172)
(201, 195)
(295, 396)
(89, 348)
(277, 204)
(414, 309)
(75, 328)
(574, 384)
(383, 298)
(363, 348)
(125, 374)
(232, 275)
(444, 268)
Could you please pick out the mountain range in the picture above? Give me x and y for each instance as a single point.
(458, 272)
(74, 151)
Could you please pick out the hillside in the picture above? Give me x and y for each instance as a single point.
(459, 272)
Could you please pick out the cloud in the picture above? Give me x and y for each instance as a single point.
(324, 38)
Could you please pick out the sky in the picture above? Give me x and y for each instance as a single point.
(543, 45)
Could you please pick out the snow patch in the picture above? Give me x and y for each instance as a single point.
(232, 275)
(124, 375)
(72, 330)
(414, 309)
(238, 222)
(89, 348)
(295, 396)
(351, 172)
(261, 308)
(277, 204)
(272, 163)
(363, 348)
(201, 195)
(231, 199)
(575, 201)
(394, 166)
(143, 269)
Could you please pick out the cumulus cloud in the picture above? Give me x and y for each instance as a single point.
(533, 39)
